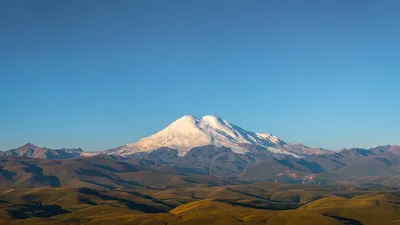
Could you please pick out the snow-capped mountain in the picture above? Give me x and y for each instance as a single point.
(189, 132)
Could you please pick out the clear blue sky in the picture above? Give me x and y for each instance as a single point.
(100, 74)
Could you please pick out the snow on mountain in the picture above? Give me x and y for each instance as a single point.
(305, 150)
(188, 132)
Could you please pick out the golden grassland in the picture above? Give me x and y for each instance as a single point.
(263, 203)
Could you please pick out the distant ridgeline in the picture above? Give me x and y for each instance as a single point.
(201, 171)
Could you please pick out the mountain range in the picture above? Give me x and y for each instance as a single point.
(211, 146)
(185, 134)
(32, 151)
(189, 132)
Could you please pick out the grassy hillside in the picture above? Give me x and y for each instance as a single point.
(102, 172)
(261, 203)
(110, 190)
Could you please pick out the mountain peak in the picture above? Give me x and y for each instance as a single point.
(32, 151)
(188, 117)
(185, 119)
(189, 132)
(210, 117)
(29, 145)
(191, 118)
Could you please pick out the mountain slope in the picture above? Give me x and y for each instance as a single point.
(32, 151)
(189, 132)
(100, 172)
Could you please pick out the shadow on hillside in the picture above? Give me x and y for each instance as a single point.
(108, 187)
(86, 201)
(115, 179)
(346, 221)
(248, 194)
(266, 205)
(35, 210)
(313, 167)
(151, 198)
(53, 181)
(6, 174)
(130, 204)
(310, 166)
